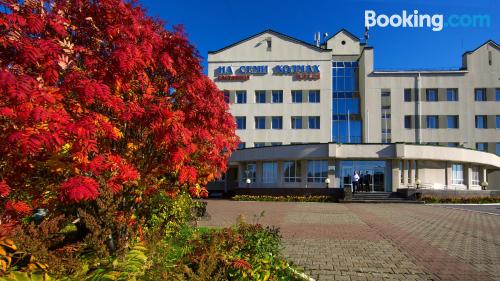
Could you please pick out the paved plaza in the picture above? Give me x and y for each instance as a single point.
(377, 241)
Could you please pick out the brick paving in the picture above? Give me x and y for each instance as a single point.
(376, 241)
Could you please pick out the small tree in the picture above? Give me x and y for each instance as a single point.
(97, 98)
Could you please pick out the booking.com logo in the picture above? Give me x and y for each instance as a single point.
(415, 20)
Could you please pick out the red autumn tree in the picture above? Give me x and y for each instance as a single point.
(95, 95)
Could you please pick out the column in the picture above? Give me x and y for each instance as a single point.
(406, 166)
(303, 164)
(279, 178)
(240, 175)
(331, 173)
(448, 174)
(412, 171)
(396, 174)
(468, 175)
(484, 175)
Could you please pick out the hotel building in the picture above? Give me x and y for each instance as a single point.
(308, 116)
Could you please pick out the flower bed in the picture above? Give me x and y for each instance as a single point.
(284, 198)
(462, 200)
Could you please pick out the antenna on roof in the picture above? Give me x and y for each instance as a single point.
(367, 36)
(317, 38)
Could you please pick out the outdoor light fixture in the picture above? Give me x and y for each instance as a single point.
(484, 185)
(418, 183)
(248, 182)
(327, 181)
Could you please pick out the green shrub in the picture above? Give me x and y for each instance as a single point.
(286, 198)
(462, 200)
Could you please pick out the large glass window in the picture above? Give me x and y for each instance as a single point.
(432, 122)
(317, 170)
(296, 122)
(498, 121)
(453, 144)
(260, 122)
(250, 172)
(346, 117)
(260, 96)
(498, 148)
(453, 122)
(277, 96)
(313, 122)
(241, 122)
(497, 94)
(407, 95)
(259, 144)
(431, 95)
(269, 172)
(241, 96)
(475, 176)
(277, 122)
(481, 122)
(314, 96)
(457, 174)
(296, 96)
(482, 146)
(480, 94)
(291, 171)
(452, 94)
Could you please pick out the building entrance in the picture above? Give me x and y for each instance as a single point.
(372, 175)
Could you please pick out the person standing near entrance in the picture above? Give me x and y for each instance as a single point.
(361, 182)
(367, 181)
(355, 182)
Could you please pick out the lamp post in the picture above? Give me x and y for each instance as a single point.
(484, 185)
(248, 182)
(418, 183)
(327, 182)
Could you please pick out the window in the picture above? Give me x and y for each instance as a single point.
(475, 176)
(431, 95)
(250, 172)
(276, 143)
(269, 172)
(482, 146)
(277, 96)
(296, 122)
(386, 93)
(314, 96)
(260, 96)
(497, 94)
(317, 170)
(453, 122)
(259, 144)
(407, 95)
(498, 148)
(498, 121)
(480, 94)
(296, 96)
(277, 122)
(291, 171)
(260, 122)
(227, 96)
(432, 122)
(452, 94)
(457, 174)
(408, 122)
(453, 144)
(241, 96)
(241, 145)
(481, 122)
(313, 122)
(241, 122)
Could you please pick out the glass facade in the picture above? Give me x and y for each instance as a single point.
(269, 172)
(498, 148)
(317, 170)
(372, 173)
(346, 119)
(457, 174)
(291, 171)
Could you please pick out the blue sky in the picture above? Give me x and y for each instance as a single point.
(214, 24)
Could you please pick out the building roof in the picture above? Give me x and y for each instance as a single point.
(495, 44)
(279, 34)
(352, 36)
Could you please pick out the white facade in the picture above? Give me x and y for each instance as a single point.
(293, 96)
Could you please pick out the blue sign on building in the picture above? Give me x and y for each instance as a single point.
(295, 69)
